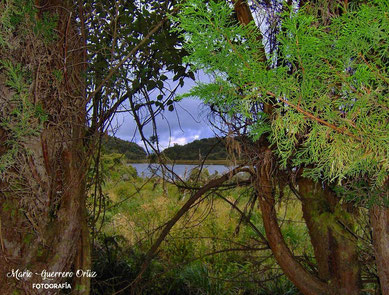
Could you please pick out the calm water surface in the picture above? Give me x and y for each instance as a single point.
(182, 170)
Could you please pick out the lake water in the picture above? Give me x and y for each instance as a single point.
(182, 170)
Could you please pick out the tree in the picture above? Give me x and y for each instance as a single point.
(44, 159)
(314, 101)
(66, 69)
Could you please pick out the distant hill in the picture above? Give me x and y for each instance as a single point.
(210, 148)
(198, 149)
(130, 150)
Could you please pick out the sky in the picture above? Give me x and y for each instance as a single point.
(188, 122)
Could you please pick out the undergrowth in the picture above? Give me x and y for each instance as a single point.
(209, 251)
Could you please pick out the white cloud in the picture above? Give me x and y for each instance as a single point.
(178, 140)
(181, 140)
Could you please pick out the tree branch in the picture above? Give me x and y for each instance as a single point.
(169, 225)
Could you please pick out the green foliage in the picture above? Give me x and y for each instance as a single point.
(209, 148)
(130, 150)
(281, 286)
(183, 264)
(21, 15)
(10, 15)
(338, 81)
(199, 176)
(329, 88)
(114, 30)
(44, 27)
(195, 279)
(113, 264)
(115, 168)
(24, 119)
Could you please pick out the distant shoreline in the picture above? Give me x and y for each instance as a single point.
(189, 162)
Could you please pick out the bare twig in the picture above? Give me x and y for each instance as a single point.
(169, 225)
(131, 53)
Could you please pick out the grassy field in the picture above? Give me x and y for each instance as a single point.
(209, 251)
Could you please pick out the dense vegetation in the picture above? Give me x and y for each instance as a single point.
(303, 84)
(130, 150)
(201, 149)
(66, 68)
(309, 87)
(210, 251)
(206, 148)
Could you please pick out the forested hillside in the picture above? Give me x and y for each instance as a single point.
(206, 148)
(130, 150)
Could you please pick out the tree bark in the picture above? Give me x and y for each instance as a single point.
(307, 283)
(379, 218)
(312, 206)
(42, 196)
(83, 259)
(334, 247)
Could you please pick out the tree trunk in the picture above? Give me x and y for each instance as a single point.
(313, 205)
(379, 218)
(307, 283)
(334, 247)
(83, 261)
(42, 206)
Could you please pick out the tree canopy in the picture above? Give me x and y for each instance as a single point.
(311, 90)
(326, 81)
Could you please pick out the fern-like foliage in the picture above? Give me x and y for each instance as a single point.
(329, 90)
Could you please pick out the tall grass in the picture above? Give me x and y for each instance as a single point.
(209, 251)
